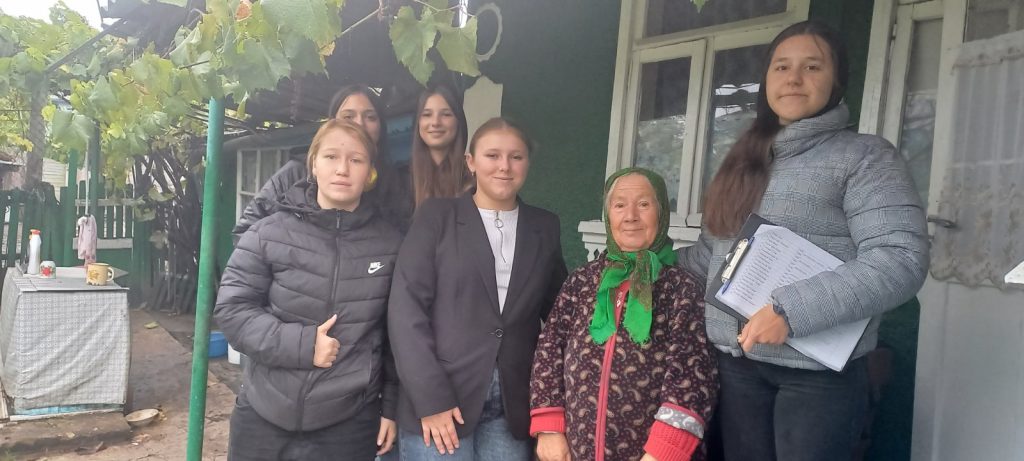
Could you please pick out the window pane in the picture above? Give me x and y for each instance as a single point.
(248, 182)
(668, 16)
(269, 161)
(661, 121)
(917, 129)
(989, 18)
(733, 103)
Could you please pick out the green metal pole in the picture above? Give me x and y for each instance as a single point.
(94, 173)
(70, 210)
(204, 295)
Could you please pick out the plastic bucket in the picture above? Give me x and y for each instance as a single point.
(218, 344)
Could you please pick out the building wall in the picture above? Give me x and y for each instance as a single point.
(970, 398)
(853, 20)
(556, 61)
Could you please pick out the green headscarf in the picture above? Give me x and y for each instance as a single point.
(641, 268)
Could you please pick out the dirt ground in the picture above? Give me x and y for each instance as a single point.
(160, 378)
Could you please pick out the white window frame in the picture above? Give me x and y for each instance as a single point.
(888, 62)
(634, 50)
(242, 198)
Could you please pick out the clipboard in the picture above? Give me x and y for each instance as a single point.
(779, 256)
(733, 259)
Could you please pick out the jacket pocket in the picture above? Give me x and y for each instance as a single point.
(346, 379)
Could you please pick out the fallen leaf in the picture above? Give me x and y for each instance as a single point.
(151, 325)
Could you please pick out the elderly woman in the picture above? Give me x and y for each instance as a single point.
(623, 370)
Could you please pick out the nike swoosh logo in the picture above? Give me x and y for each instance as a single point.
(374, 267)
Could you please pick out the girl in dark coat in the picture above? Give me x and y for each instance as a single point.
(304, 296)
(476, 276)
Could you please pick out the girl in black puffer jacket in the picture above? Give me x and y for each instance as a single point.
(304, 295)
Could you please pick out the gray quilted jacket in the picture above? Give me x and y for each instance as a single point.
(850, 194)
(290, 273)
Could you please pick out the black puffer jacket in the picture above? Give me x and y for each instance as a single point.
(289, 273)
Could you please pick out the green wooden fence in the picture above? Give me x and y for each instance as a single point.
(114, 215)
(23, 211)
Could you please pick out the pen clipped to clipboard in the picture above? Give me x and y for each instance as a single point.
(781, 257)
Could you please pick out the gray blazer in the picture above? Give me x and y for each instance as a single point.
(447, 333)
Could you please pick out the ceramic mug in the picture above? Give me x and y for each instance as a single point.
(47, 269)
(98, 274)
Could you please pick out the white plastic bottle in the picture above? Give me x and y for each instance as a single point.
(35, 243)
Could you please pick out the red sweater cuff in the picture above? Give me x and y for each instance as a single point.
(667, 443)
(550, 419)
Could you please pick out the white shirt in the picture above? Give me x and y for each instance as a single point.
(501, 233)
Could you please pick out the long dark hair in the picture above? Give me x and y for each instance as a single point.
(743, 177)
(450, 177)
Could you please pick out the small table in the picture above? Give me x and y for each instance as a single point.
(64, 345)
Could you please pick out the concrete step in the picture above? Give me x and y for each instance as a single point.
(62, 434)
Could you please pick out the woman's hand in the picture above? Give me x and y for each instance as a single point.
(386, 435)
(552, 447)
(441, 428)
(648, 457)
(325, 349)
(764, 327)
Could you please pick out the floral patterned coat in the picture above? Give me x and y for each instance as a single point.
(618, 400)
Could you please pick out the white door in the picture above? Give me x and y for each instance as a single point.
(968, 402)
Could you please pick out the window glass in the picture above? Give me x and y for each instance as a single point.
(734, 88)
(668, 16)
(661, 122)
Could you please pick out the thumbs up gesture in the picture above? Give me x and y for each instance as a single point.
(325, 350)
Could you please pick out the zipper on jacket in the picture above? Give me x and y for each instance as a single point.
(301, 403)
(330, 307)
(606, 372)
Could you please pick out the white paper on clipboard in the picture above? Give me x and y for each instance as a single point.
(777, 257)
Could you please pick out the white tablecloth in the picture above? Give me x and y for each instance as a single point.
(62, 342)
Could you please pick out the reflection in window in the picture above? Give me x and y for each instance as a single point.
(249, 162)
(916, 137)
(733, 103)
(989, 18)
(668, 16)
(917, 128)
(269, 163)
(661, 122)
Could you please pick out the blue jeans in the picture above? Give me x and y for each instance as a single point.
(490, 440)
(769, 412)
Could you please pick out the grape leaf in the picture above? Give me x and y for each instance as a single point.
(457, 47)
(303, 55)
(263, 65)
(307, 17)
(411, 39)
(102, 95)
